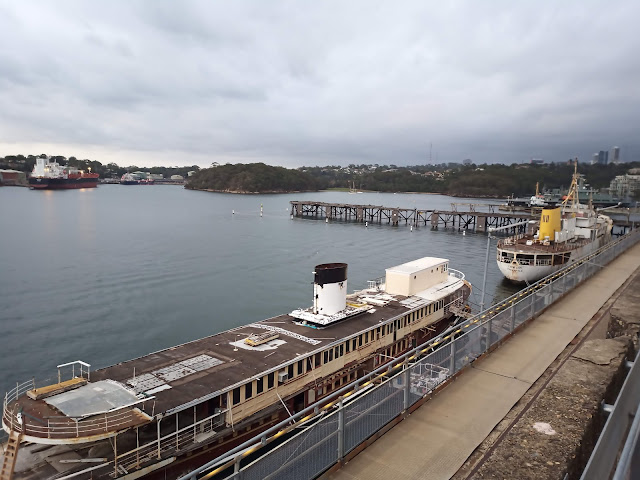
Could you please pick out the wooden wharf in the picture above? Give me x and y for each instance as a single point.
(469, 219)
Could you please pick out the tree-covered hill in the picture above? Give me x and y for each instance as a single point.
(252, 178)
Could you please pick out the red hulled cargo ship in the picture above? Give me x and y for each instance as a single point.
(49, 174)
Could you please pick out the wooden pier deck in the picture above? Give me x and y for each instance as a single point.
(470, 219)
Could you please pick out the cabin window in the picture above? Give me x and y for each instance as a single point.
(300, 367)
(366, 338)
(336, 352)
(331, 355)
(270, 379)
(360, 340)
(318, 359)
(236, 395)
(348, 344)
(259, 385)
(290, 371)
(341, 349)
(309, 365)
(248, 390)
(326, 356)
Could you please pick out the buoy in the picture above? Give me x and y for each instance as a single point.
(233, 212)
(412, 228)
(366, 224)
(464, 232)
(326, 220)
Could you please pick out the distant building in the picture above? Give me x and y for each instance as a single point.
(13, 177)
(615, 155)
(191, 173)
(594, 159)
(536, 161)
(603, 157)
(156, 176)
(178, 178)
(466, 161)
(624, 186)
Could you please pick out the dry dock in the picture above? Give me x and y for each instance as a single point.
(481, 425)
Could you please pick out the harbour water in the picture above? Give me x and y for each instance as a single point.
(107, 274)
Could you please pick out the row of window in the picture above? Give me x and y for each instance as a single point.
(305, 365)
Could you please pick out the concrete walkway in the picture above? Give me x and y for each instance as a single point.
(436, 440)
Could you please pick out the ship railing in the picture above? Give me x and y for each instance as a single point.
(9, 409)
(179, 440)
(66, 427)
(456, 273)
(375, 283)
(84, 370)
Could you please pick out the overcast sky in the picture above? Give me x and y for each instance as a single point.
(318, 83)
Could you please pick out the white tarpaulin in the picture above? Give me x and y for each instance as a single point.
(92, 399)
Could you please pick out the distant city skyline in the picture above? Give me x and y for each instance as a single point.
(326, 83)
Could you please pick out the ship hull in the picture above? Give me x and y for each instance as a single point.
(519, 273)
(62, 183)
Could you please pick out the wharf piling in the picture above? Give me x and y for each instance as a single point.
(470, 219)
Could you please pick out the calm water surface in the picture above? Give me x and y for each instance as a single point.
(108, 274)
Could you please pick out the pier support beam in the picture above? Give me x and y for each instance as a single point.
(481, 223)
(435, 218)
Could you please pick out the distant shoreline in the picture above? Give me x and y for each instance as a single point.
(241, 192)
(274, 192)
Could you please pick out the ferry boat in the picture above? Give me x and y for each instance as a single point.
(49, 174)
(166, 413)
(565, 233)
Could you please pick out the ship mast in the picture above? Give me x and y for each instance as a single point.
(573, 190)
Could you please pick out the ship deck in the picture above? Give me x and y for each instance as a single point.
(180, 377)
(520, 246)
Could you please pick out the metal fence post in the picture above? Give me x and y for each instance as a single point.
(533, 304)
(407, 387)
(452, 360)
(237, 474)
(340, 430)
(513, 318)
(488, 338)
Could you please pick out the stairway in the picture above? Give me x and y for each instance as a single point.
(10, 455)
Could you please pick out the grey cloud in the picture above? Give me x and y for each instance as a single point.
(322, 82)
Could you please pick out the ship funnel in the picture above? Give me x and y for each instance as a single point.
(329, 288)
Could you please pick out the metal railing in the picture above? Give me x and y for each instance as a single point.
(456, 273)
(172, 442)
(60, 427)
(341, 426)
(617, 442)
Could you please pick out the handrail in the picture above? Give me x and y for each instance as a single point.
(456, 273)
